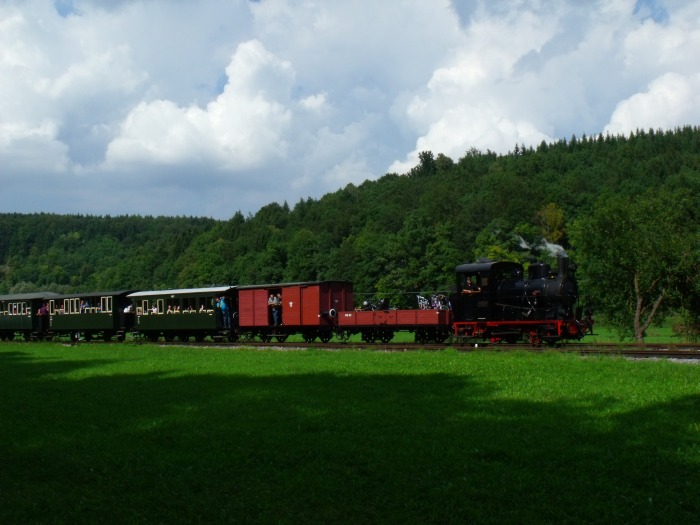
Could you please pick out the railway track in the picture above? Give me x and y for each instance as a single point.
(633, 350)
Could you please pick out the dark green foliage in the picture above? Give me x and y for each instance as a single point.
(399, 233)
(639, 255)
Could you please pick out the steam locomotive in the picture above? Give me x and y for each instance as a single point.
(491, 301)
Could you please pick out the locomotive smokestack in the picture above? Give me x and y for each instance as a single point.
(563, 265)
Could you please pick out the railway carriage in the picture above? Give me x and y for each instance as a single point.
(307, 308)
(22, 314)
(90, 315)
(185, 313)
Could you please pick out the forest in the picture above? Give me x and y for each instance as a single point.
(623, 208)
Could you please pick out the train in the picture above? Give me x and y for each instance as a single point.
(491, 301)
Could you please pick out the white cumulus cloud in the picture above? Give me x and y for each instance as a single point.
(206, 108)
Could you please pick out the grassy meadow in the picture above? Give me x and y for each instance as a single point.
(131, 433)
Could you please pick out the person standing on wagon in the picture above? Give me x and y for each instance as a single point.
(274, 302)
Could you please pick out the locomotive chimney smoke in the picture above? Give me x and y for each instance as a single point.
(554, 249)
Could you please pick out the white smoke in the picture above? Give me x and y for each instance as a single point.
(552, 249)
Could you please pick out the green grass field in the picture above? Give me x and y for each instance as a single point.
(146, 434)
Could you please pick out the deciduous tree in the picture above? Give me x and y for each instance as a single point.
(639, 257)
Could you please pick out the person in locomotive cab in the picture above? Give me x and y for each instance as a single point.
(470, 285)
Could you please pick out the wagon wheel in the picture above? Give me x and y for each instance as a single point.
(309, 337)
(183, 338)
(281, 338)
(325, 337)
(368, 336)
(199, 338)
(440, 337)
(387, 336)
(88, 336)
(265, 338)
(169, 338)
(422, 336)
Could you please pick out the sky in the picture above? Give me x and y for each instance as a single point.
(208, 107)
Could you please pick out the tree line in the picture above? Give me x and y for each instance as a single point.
(624, 208)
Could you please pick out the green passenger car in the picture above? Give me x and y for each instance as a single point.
(90, 315)
(185, 313)
(25, 315)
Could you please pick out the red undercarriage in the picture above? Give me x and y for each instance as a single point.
(511, 331)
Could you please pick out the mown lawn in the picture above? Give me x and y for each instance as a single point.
(146, 434)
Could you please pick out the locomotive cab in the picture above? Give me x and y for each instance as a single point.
(482, 289)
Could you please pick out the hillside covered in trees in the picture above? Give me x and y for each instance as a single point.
(623, 208)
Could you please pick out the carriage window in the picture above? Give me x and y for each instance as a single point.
(71, 306)
(106, 304)
(144, 306)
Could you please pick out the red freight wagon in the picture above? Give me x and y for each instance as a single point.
(428, 325)
(280, 310)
